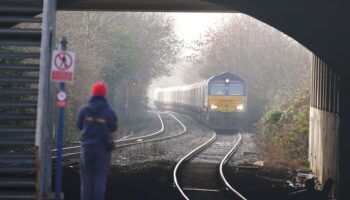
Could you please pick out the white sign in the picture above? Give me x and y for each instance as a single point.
(62, 96)
(61, 99)
(62, 66)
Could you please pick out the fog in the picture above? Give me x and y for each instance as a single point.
(134, 53)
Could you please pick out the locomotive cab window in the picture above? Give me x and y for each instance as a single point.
(217, 89)
(236, 89)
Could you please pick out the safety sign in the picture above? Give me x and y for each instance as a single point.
(62, 66)
(61, 99)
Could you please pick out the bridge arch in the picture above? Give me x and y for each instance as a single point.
(319, 25)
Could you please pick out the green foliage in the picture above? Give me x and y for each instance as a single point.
(284, 137)
(272, 118)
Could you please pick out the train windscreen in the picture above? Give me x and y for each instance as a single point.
(236, 89)
(217, 89)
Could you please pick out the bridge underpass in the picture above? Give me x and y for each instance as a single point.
(321, 26)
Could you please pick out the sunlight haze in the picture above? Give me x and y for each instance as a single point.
(190, 26)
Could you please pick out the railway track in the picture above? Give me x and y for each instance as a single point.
(72, 152)
(199, 174)
(158, 137)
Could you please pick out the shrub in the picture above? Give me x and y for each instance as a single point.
(284, 137)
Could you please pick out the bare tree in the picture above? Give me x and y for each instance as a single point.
(119, 48)
(274, 65)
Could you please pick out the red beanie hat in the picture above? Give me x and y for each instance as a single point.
(99, 89)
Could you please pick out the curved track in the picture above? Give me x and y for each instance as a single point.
(144, 137)
(152, 137)
(158, 137)
(199, 174)
(75, 150)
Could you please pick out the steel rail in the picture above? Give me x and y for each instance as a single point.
(67, 148)
(159, 132)
(143, 141)
(120, 140)
(186, 157)
(159, 139)
(129, 135)
(223, 162)
(73, 147)
(176, 135)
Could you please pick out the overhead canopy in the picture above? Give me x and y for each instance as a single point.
(320, 25)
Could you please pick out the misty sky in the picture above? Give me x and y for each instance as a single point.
(189, 27)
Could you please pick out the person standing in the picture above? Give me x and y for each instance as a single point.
(97, 121)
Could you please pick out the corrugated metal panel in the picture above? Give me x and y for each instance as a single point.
(324, 87)
(18, 96)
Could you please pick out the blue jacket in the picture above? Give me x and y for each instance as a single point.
(96, 120)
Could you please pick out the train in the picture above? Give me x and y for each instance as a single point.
(219, 102)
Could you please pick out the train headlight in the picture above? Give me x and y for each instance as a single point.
(240, 107)
(213, 107)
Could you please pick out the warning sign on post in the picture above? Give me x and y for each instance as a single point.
(61, 99)
(62, 66)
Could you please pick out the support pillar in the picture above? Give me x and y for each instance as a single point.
(43, 134)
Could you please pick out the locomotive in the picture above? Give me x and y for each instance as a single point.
(220, 101)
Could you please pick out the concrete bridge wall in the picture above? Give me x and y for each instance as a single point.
(324, 122)
(323, 144)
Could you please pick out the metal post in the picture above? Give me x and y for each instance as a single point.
(43, 133)
(60, 129)
(127, 101)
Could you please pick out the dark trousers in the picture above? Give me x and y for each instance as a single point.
(95, 162)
